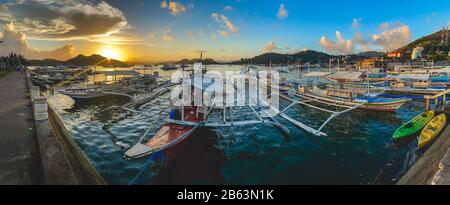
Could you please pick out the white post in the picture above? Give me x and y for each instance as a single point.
(40, 108)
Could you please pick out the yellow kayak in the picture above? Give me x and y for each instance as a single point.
(432, 130)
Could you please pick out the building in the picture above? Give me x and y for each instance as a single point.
(417, 53)
(375, 62)
(394, 54)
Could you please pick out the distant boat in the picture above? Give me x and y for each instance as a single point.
(169, 67)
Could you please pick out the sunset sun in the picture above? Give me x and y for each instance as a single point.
(111, 53)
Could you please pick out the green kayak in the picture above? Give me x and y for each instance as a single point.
(414, 125)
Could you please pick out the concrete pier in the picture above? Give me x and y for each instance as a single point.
(37, 151)
(20, 161)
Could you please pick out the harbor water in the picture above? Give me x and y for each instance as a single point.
(358, 149)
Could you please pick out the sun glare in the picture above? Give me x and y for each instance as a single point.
(110, 53)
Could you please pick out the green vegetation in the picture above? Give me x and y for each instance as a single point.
(3, 73)
(432, 47)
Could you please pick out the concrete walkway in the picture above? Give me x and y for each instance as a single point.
(20, 161)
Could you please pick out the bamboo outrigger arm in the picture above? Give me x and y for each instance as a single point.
(307, 128)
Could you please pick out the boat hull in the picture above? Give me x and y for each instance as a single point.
(376, 106)
(413, 126)
(432, 130)
(84, 97)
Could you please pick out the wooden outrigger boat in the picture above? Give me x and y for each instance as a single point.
(346, 98)
(81, 94)
(170, 134)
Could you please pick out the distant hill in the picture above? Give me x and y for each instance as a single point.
(192, 61)
(370, 54)
(431, 46)
(278, 58)
(80, 60)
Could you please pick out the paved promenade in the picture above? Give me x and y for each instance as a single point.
(20, 161)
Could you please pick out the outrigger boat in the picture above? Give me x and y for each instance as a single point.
(170, 134)
(349, 98)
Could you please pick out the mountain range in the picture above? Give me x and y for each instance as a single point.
(80, 60)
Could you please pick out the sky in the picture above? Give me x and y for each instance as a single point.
(162, 30)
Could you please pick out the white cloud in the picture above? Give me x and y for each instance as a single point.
(270, 47)
(16, 42)
(190, 34)
(356, 23)
(174, 7)
(228, 8)
(164, 4)
(215, 16)
(361, 41)
(342, 46)
(167, 37)
(224, 34)
(282, 12)
(229, 25)
(392, 36)
(226, 22)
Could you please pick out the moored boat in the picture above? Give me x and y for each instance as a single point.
(432, 130)
(348, 98)
(169, 135)
(169, 67)
(413, 126)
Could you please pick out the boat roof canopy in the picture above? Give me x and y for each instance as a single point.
(119, 72)
(346, 75)
(410, 76)
(315, 73)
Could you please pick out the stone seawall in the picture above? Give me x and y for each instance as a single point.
(63, 162)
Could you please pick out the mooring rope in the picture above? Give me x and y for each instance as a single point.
(151, 158)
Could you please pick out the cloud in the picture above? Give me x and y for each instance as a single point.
(342, 46)
(164, 4)
(356, 23)
(190, 34)
(287, 47)
(167, 36)
(174, 7)
(215, 16)
(16, 42)
(4, 13)
(66, 20)
(224, 34)
(392, 36)
(282, 12)
(223, 19)
(270, 47)
(228, 8)
(361, 41)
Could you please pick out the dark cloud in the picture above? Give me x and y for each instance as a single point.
(69, 19)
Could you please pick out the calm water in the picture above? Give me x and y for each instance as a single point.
(357, 150)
